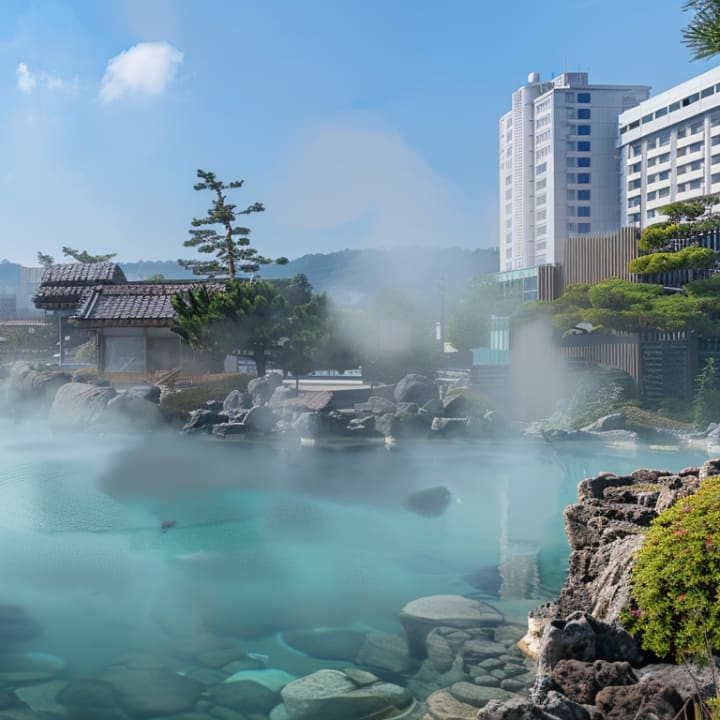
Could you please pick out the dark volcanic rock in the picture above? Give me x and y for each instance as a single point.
(581, 681)
(646, 700)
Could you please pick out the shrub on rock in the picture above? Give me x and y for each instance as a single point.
(676, 578)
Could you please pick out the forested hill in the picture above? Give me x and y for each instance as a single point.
(351, 277)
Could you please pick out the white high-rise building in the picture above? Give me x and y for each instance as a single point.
(670, 149)
(559, 165)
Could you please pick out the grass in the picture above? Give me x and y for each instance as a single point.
(177, 405)
(646, 420)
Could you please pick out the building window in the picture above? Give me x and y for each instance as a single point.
(508, 194)
(697, 127)
(583, 178)
(665, 157)
(634, 202)
(716, 178)
(541, 230)
(508, 180)
(571, 178)
(674, 106)
(583, 97)
(583, 114)
(634, 184)
(647, 118)
(664, 175)
(681, 133)
(541, 184)
(695, 147)
(541, 199)
(664, 138)
(695, 184)
(663, 192)
(583, 211)
(583, 129)
(571, 227)
(651, 195)
(571, 195)
(541, 215)
(707, 92)
(571, 162)
(583, 146)
(634, 218)
(636, 149)
(583, 194)
(651, 214)
(690, 99)
(583, 227)
(583, 162)
(541, 168)
(660, 113)
(683, 169)
(636, 167)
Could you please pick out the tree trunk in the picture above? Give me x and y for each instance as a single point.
(259, 358)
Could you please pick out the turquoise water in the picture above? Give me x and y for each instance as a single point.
(267, 540)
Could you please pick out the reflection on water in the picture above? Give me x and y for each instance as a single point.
(266, 541)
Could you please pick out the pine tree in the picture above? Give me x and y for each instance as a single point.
(231, 247)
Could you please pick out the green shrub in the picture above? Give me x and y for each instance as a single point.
(675, 585)
(689, 258)
(177, 405)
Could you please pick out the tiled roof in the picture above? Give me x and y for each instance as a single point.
(83, 274)
(133, 303)
(55, 296)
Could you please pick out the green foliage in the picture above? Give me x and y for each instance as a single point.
(643, 420)
(157, 277)
(675, 586)
(702, 35)
(685, 220)
(231, 247)
(177, 405)
(45, 260)
(689, 258)
(707, 395)
(248, 317)
(83, 256)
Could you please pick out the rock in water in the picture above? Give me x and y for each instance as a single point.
(333, 695)
(432, 502)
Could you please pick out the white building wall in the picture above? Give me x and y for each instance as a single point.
(670, 149)
(565, 166)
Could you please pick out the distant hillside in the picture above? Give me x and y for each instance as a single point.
(351, 277)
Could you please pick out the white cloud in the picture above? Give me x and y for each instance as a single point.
(145, 69)
(26, 81)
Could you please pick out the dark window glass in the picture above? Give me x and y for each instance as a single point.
(675, 106)
(583, 129)
(707, 92)
(583, 162)
(583, 211)
(583, 194)
(583, 97)
(583, 146)
(647, 118)
(583, 227)
(660, 113)
(583, 178)
(583, 113)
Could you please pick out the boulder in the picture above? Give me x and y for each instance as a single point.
(152, 691)
(90, 699)
(261, 389)
(441, 705)
(420, 616)
(78, 406)
(433, 407)
(252, 690)
(415, 388)
(236, 402)
(260, 419)
(385, 652)
(333, 695)
(203, 419)
(645, 699)
(225, 429)
(477, 695)
(581, 681)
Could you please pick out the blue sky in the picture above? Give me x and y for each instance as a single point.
(358, 123)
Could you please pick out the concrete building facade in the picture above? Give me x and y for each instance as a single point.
(670, 149)
(559, 166)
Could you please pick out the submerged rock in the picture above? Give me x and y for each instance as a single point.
(420, 616)
(432, 502)
(333, 695)
(326, 644)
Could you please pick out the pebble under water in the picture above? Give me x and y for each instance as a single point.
(165, 547)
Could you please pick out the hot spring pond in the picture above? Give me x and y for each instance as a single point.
(265, 542)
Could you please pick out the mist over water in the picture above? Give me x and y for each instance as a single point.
(267, 540)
